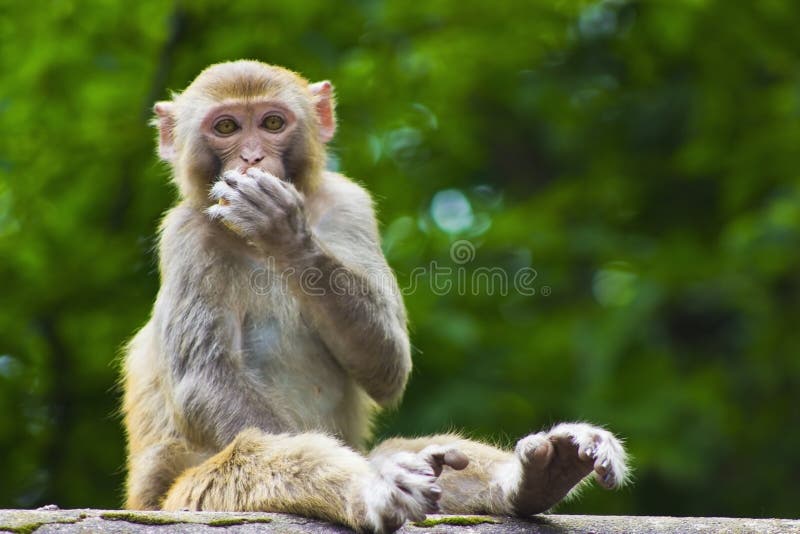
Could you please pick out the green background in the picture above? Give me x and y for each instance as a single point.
(641, 157)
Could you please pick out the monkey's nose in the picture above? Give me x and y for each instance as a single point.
(252, 160)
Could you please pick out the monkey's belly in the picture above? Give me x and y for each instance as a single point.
(298, 372)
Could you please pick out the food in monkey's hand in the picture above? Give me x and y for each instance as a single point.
(233, 228)
(229, 225)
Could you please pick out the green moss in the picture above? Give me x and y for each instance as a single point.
(456, 520)
(140, 519)
(225, 522)
(31, 527)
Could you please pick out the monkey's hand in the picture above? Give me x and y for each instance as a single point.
(547, 465)
(404, 487)
(263, 209)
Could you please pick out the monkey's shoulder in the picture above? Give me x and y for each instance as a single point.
(337, 190)
(339, 204)
(189, 228)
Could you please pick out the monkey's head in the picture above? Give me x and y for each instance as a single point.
(244, 114)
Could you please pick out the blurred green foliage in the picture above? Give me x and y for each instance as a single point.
(641, 157)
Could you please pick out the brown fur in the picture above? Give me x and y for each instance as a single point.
(240, 81)
(248, 398)
(474, 490)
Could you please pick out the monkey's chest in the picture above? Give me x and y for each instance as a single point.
(294, 366)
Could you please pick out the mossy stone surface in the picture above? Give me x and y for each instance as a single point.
(124, 522)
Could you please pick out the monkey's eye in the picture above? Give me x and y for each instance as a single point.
(226, 126)
(273, 123)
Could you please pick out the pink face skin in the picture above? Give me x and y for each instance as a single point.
(255, 141)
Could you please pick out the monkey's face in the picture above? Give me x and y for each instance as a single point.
(255, 134)
(244, 114)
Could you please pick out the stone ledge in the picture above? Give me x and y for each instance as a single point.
(121, 521)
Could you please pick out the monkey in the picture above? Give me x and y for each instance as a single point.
(279, 330)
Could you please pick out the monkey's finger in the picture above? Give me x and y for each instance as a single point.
(220, 190)
(419, 496)
(274, 192)
(268, 181)
(216, 211)
(284, 194)
(535, 451)
(232, 175)
(438, 456)
(290, 197)
(609, 473)
(250, 191)
(408, 504)
(225, 194)
(231, 178)
(605, 476)
(224, 214)
(432, 495)
(292, 190)
(456, 459)
(587, 451)
(568, 444)
(416, 485)
(255, 172)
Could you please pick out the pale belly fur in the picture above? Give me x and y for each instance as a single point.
(296, 368)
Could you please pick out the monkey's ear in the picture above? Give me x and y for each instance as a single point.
(165, 122)
(325, 105)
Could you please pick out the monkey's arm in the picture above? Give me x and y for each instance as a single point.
(360, 323)
(352, 295)
(199, 332)
(330, 242)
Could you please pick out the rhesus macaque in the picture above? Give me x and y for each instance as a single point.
(246, 396)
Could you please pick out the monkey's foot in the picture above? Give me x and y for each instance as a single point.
(405, 486)
(550, 464)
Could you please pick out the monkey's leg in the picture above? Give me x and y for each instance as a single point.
(540, 472)
(152, 471)
(311, 475)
